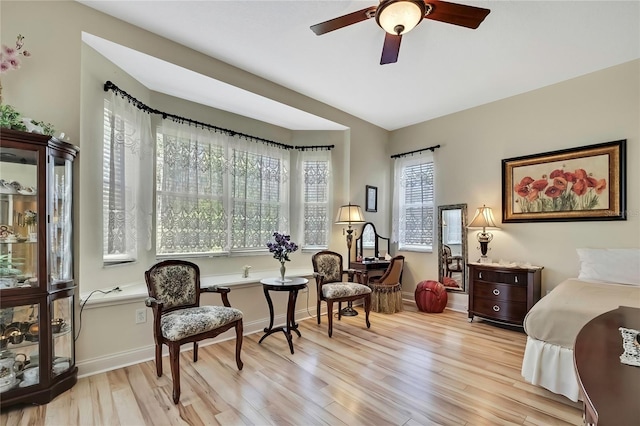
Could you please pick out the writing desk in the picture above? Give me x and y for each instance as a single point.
(364, 269)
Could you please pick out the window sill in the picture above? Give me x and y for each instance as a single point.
(138, 291)
(417, 249)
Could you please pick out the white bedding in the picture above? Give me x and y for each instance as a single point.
(550, 366)
(553, 324)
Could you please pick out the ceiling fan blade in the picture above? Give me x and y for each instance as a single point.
(456, 14)
(390, 49)
(343, 21)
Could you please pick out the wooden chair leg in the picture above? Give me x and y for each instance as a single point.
(339, 311)
(195, 351)
(330, 316)
(159, 359)
(239, 328)
(318, 313)
(367, 309)
(174, 359)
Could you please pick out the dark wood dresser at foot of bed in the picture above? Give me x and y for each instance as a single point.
(502, 293)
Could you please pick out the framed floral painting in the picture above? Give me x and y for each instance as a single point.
(586, 183)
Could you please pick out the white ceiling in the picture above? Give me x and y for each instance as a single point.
(442, 68)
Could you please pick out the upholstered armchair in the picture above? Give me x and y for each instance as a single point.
(386, 296)
(174, 295)
(328, 272)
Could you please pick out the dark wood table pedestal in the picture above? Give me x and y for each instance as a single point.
(610, 389)
(293, 286)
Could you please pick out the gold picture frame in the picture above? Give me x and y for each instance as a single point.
(576, 184)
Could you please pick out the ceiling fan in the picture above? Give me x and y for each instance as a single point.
(398, 17)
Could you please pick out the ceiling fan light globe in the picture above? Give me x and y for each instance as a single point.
(398, 17)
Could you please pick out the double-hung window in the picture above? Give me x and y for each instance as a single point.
(127, 152)
(217, 193)
(259, 194)
(413, 212)
(191, 190)
(314, 169)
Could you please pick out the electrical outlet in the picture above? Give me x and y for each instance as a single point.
(141, 316)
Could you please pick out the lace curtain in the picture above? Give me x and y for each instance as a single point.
(413, 202)
(315, 192)
(217, 193)
(127, 190)
(259, 174)
(191, 207)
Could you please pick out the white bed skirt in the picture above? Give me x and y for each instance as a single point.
(551, 367)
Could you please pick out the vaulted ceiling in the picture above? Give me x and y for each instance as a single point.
(442, 68)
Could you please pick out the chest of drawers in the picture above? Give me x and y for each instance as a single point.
(502, 293)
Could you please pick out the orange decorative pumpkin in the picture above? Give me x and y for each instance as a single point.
(431, 296)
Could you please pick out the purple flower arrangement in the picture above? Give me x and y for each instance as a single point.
(281, 247)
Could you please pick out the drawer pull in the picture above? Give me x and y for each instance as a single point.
(496, 291)
(480, 275)
(496, 308)
(516, 277)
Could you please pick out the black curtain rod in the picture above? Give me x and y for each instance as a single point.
(404, 154)
(165, 115)
(315, 148)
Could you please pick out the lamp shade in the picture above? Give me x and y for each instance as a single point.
(400, 16)
(349, 214)
(483, 219)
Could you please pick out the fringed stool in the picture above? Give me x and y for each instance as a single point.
(386, 298)
(386, 291)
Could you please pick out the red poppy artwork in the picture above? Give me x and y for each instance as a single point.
(561, 189)
(573, 184)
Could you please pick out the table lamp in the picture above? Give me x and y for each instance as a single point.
(483, 219)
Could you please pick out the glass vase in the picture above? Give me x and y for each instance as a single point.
(283, 270)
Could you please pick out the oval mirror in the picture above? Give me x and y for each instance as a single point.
(452, 246)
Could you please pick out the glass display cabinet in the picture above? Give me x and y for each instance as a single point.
(37, 289)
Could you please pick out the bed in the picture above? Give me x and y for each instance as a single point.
(608, 278)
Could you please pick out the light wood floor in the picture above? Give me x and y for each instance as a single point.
(410, 368)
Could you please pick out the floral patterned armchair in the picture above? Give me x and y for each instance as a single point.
(328, 272)
(174, 295)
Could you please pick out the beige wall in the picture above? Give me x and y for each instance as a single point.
(62, 83)
(600, 107)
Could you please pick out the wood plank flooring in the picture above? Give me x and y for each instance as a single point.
(410, 368)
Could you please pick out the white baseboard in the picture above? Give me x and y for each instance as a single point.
(89, 367)
(455, 304)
